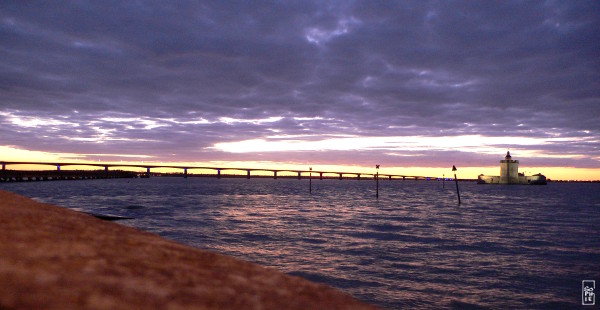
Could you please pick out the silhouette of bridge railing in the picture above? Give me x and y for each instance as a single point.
(218, 170)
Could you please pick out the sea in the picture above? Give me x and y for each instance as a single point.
(412, 247)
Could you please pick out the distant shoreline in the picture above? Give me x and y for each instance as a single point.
(45, 175)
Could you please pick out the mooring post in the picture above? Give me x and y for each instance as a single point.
(185, 173)
(274, 174)
(310, 180)
(377, 181)
(456, 181)
(248, 175)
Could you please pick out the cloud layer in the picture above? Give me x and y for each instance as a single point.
(387, 81)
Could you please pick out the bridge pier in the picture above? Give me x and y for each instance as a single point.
(248, 175)
(106, 172)
(185, 173)
(147, 172)
(299, 176)
(3, 166)
(358, 176)
(57, 167)
(403, 178)
(274, 174)
(320, 175)
(340, 176)
(390, 177)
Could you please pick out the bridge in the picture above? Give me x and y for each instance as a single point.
(218, 170)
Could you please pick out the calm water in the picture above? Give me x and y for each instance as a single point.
(505, 246)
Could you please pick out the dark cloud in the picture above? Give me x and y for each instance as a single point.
(171, 80)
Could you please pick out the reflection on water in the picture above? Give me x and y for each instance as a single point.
(505, 246)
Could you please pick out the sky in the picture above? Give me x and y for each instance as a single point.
(403, 84)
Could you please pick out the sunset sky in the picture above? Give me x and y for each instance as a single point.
(426, 84)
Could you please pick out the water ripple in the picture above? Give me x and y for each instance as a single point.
(504, 247)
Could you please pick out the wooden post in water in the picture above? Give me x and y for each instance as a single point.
(377, 181)
(310, 180)
(456, 181)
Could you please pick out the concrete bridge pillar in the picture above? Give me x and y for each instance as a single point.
(358, 176)
(390, 177)
(3, 166)
(403, 178)
(299, 175)
(219, 173)
(248, 175)
(57, 167)
(340, 176)
(185, 173)
(147, 172)
(274, 174)
(320, 175)
(106, 172)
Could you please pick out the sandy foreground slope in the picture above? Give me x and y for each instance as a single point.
(55, 258)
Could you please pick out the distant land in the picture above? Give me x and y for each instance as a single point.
(46, 175)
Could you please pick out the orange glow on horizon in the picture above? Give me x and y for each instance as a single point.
(13, 154)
